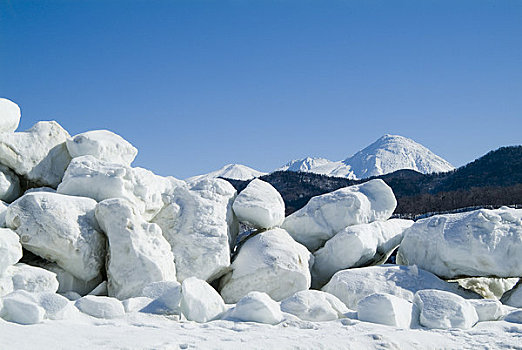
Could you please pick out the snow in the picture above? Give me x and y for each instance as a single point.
(9, 115)
(256, 307)
(440, 309)
(487, 309)
(39, 154)
(104, 145)
(138, 253)
(90, 177)
(387, 309)
(200, 302)
(100, 307)
(200, 226)
(513, 297)
(9, 184)
(229, 171)
(21, 307)
(476, 243)
(10, 249)
(62, 229)
(353, 285)
(165, 298)
(326, 215)
(260, 205)
(314, 305)
(270, 262)
(356, 246)
(32, 279)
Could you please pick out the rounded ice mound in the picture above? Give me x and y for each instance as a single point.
(104, 145)
(326, 215)
(444, 310)
(22, 307)
(60, 228)
(270, 262)
(9, 115)
(257, 307)
(352, 285)
(10, 249)
(260, 205)
(477, 243)
(200, 302)
(387, 309)
(9, 184)
(487, 309)
(100, 307)
(315, 306)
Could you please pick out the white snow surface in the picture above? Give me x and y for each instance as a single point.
(387, 309)
(60, 228)
(39, 154)
(352, 285)
(314, 305)
(229, 171)
(441, 309)
(324, 216)
(256, 307)
(104, 145)
(200, 302)
(138, 253)
(200, 226)
(260, 205)
(270, 262)
(90, 177)
(9, 184)
(357, 246)
(9, 115)
(476, 243)
(10, 249)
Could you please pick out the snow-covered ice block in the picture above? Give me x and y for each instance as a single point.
(487, 309)
(39, 154)
(257, 307)
(56, 306)
(315, 306)
(60, 228)
(513, 297)
(325, 215)
(21, 307)
(138, 253)
(90, 177)
(476, 243)
(104, 145)
(100, 307)
(200, 302)
(32, 279)
(444, 310)
(6, 285)
(135, 304)
(3, 211)
(353, 285)
(10, 249)
(260, 205)
(270, 262)
(9, 184)
(387, 309)
(70, 283)
(200, 226)
(514, 316)
(356, 246)
(165, 298)
(488, 287)
(9, 115)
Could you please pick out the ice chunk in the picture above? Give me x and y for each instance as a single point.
(100, 307)
(325, 215)
(9, 184)
(200, 302)
(104, 145)
(357, 246)
(32, 279)
(444, 310)
(257, 307)
(314, 305)
(39, 154)
(21, 307)
(9, 115)
(476, 243)
(387, 309)
(56, 307)
(62, 229)
(260, 205)
(90, 177)
(69, 283)
(513, 297)
(200, 226)
(3, 211)
(10, 249)
(166, 298)
(270, 262)
(487, 310)
(352, 285)
(135, 304)
(514, 317)
(488, 287)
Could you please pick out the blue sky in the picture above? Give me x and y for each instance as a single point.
(198, 84)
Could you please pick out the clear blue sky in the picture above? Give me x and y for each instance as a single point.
(198, 84)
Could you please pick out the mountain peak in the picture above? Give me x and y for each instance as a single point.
(230, 171)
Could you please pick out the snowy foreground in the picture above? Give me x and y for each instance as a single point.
(95, 253)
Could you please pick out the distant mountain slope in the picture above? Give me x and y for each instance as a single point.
(494, 179)
(386, 155)
(230, 171)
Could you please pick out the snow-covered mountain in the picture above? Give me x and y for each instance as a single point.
(230, 171)
(388, 154)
